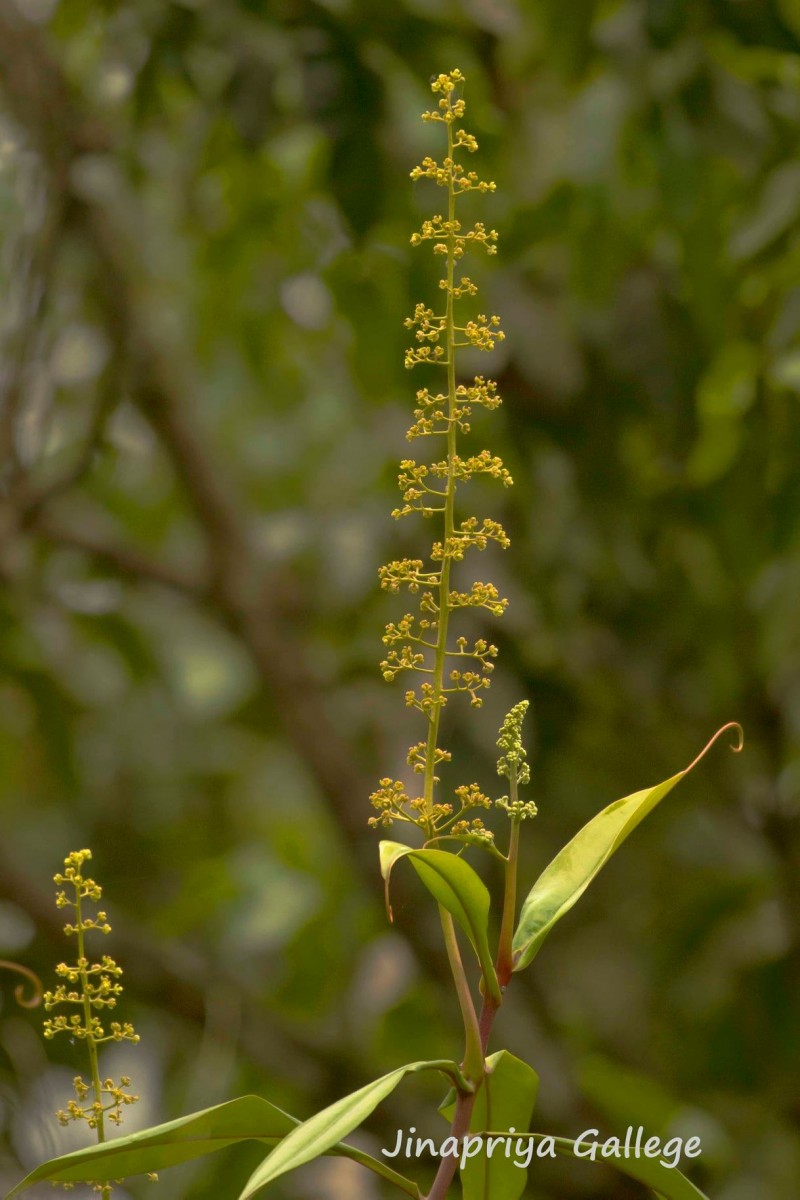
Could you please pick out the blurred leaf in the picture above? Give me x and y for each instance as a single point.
(726, 391)
(790, 11)
(728, 386)
(775, 212)
(55, 711)
(785, 371)
(626, 1097)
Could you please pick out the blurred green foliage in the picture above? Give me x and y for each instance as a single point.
(242, 169)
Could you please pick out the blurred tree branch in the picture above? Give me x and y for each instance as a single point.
(247, 598)
(242, 588)
(123, 560)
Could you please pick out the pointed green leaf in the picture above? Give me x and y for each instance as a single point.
(245, 1119)
(666, 1182)
(166, 1145)
(459, 889)
(320, 1133)
(567, 877)
(505, 1101)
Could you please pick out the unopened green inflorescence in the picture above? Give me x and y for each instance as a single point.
(86, 989)
(420, 643)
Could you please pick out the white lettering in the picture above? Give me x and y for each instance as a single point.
(672, 1150)
(525, 1153)
(589, 1151)
(472, 1146)
(396, 1151)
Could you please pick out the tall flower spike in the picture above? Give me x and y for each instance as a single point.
(421, 642)
(86, 989)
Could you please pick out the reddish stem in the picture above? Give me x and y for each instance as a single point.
(465, 1102)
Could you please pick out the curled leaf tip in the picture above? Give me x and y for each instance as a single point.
(35, 998)
(736, 747)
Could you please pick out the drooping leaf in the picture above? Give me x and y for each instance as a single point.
(459, 889)
(246, 1119)
(505, 1101)
(320, 1133)
(567, 877)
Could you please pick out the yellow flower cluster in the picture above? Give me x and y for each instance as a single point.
(115, 1098)
(88, 987)
(421, 644)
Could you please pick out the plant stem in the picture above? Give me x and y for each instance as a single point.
(449, 505)
(476, 1031)
(472, 1065)
(87, 1016)
(94, 1065)
(505, 961)
(465, 1102)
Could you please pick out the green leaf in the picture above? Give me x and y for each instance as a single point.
(245, 1119)
(505, 1101)
(320, 1133)
(458, 888)
(667, 1182)
(567, 877)
(166, 1145)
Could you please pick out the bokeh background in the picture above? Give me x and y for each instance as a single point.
(205, 211)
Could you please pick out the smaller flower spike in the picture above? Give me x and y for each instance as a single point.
(512, 763)
(87, 988)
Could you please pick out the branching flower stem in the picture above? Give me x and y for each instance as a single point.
(91, 988)
(473, 1064)
(419, 643)
(475, 1044)
(449, 496)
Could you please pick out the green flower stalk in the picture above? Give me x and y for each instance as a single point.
(421, 643)
(512, 764)
(87, 988)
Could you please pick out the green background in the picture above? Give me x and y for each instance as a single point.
(205, 211)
